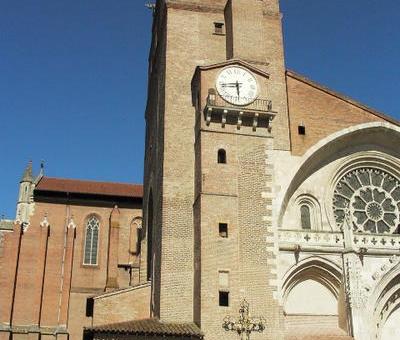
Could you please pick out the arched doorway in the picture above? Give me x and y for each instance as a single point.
(313, 301)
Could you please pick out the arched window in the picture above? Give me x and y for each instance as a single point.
(135, 236)
(221, 156)
(308, 212)
(305, 217)
(91, 240)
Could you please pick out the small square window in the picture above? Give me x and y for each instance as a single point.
(224, 299)
(223, 278)
(223, 230)
(302, 130)
(218, 28)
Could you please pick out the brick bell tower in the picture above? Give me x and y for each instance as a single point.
(216, 111)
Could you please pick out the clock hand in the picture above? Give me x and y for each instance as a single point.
(228, 85)
(236, 84)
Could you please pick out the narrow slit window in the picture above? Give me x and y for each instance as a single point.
(223, 230)
(91, 241)
(302, 130)
(305, 217)
(218, 27)
(89, 306)
(221, 156)
(224, 299)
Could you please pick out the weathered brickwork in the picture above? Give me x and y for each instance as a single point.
(44, 282)
(122, 305)
(231, 205)
(322, 112)
(191, 193)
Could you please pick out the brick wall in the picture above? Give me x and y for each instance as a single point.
(322, 112)
(52, 283)
(124, 305)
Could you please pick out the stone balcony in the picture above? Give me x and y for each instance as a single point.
(325, 241)
(258, 114)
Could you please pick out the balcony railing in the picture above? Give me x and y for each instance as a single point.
(258, 105)
(258, 113)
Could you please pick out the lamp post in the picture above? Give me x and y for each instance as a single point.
(245, 325)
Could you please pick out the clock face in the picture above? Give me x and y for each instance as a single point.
(237, 86)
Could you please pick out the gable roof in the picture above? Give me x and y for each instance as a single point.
(64, 185)
(351, 101)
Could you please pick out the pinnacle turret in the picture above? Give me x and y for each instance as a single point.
(27, 176)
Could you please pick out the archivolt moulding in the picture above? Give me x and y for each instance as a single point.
(314, 268)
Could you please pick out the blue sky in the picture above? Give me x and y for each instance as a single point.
(73, 77)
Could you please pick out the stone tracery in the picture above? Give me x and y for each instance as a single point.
(373, 198)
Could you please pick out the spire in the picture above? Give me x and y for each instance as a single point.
(27, 176)
(41, 173)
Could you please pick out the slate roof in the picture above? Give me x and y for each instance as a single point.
(149, 327)
(89, 187)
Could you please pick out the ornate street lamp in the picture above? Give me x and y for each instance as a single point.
(246, 324)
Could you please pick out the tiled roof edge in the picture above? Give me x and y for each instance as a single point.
(121, 291)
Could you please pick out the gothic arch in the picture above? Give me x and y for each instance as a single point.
(378, 136)
(386, 298)
(315, 268)
(135, 235)
(91, 239)
(314, 208)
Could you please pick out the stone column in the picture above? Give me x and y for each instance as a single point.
(355, 293)
(112, 265)
(69, 257)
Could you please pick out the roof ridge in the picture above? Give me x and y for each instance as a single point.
(89, 180)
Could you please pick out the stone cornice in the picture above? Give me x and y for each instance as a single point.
(191, 6)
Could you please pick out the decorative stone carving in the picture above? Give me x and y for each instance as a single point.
(25, 226)
(356, 292)
(245, 325)
(385, 268)
(45, 223)
(71, 224)
(373, 199)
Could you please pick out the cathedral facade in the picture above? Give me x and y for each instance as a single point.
(271, 204)
(263, 189)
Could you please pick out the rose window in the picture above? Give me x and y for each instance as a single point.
(372, 197)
